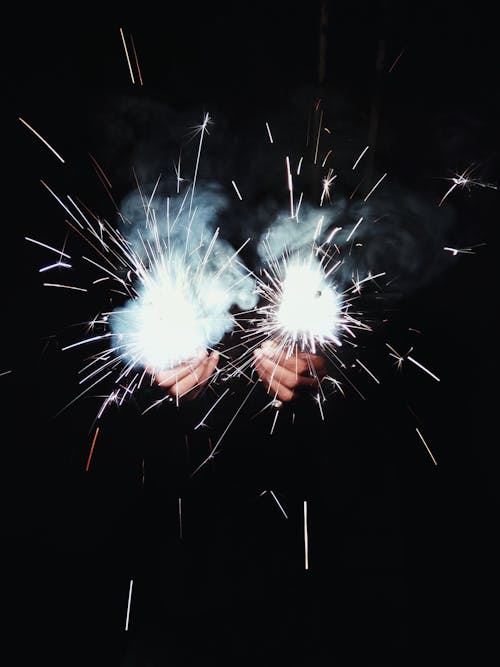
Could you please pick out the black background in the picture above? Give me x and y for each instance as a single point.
(422, 559)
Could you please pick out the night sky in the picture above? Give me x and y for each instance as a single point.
(403, 557)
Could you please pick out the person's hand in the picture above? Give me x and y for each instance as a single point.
(188, 379)
(285, 377)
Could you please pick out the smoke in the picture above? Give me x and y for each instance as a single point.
(401, 234)
(294, 235)
(150, 216)
(398, 233)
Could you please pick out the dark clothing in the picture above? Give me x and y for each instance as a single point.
(216, 554)
(217, 546)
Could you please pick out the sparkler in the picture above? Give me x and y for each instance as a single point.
(308, 292)
(179, 310)
(303, 309)
(177, 282)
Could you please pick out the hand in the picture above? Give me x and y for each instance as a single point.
(187, 379)
(284, 376)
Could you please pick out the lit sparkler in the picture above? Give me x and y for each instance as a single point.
(176, 282)
(303, 309)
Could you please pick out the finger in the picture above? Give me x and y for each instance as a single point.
(273, 381)
(269, 371)
(188, 382)
(172, 376)
(298, 362)
(281, 382)
(278, 353)
(197, 378)
(206, 370)
(301, 363)
(315, 366)
(278, 390)
(212, 361)
(270, 348)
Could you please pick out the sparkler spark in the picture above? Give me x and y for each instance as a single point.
(42, 139)
(375, 186)
(92, 449)
(279, 504)
(327, 183)
(269, 133)
(127, 619)
(463, 251)
(127, 56)
(426, 446)
(306, 538)
(236, 190)
(395, 61)
(359, 158)
(464, 180)
(401, 357)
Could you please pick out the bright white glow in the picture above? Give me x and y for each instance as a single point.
(309, 307)
(173, 317)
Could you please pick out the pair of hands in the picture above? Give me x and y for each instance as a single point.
(284, 377)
